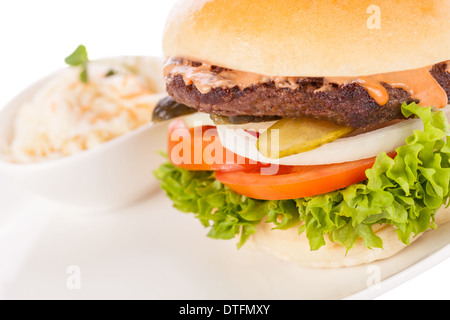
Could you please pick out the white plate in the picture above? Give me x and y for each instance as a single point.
(151, 251)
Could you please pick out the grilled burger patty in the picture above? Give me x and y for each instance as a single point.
(348, 104)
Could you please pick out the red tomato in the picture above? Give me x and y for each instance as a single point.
(200, 149)
(293, 182)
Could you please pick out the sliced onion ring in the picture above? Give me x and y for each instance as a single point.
(236, 138)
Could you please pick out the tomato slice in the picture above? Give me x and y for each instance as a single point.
(200, 149)
(293, 182)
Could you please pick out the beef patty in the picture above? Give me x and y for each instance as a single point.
(348, 104)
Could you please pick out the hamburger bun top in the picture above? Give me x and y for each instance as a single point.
(311, 38)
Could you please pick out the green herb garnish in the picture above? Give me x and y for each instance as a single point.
(110, 73)
(79, 58)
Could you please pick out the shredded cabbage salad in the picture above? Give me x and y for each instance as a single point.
(67, 115)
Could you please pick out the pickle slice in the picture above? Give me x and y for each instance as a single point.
(292, 136)
(167, 109)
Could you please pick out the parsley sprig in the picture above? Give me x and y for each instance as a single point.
(79, 58)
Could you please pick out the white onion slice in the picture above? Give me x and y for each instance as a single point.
(197, 119)
(363, 146)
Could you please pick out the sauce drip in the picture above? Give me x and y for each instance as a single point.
(419, 83)
(205, 77)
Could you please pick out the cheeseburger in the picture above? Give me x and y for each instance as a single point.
(314, 130)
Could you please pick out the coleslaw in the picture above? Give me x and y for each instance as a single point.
(68, 116)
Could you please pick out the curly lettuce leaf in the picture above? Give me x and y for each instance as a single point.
(405, 192)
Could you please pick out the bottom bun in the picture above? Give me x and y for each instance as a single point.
(290, 246)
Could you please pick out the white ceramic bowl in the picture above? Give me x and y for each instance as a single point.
(113, 174)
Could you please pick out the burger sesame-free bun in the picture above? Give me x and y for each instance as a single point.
(311, 38)
(290, 246)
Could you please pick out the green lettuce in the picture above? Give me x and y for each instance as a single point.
(405, 192)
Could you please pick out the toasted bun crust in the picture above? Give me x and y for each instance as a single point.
(311, 38)
(290, 246)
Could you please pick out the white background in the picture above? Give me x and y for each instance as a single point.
(36, 36)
